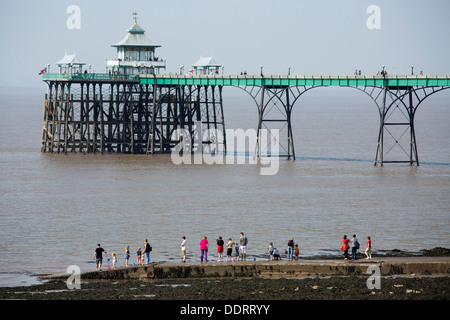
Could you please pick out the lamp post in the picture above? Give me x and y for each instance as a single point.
(182, 69)
(412, 70)
(289, 71)
(261, 71)
(48, 67)
(222, 69)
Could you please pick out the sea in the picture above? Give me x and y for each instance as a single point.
(56, 208)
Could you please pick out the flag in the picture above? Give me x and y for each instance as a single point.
(43, 71)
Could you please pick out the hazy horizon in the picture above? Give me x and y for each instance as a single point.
(311, 37)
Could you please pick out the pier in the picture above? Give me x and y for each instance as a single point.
(135, 109)
(138, 114)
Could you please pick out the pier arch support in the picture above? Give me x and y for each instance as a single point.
(275, 105)
(397, 106)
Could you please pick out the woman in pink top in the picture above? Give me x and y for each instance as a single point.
(204, 249)
(368, 251)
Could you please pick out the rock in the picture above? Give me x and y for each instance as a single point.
(436, 252)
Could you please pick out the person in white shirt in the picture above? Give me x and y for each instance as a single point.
(183, 248)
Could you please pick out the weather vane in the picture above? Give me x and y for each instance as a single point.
(135, 16)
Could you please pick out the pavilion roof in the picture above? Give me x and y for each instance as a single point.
(68, 59)
(135, 38)
(206, 62)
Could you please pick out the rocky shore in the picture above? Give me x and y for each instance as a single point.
(176, 299)
(316, 288)
(338, 285)
(269, 290)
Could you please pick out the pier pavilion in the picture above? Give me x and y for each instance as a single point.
(207, 65)
(70, 64)
(136, 54)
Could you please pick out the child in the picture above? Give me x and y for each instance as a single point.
(183, 248)
(127, 255)
(142, 256)
(276, 255)
(139, 256)
(219, 249)
(296, 251)
(236, 251)
(270, 251)
(368, 250)
(114, 260)
(229, 249)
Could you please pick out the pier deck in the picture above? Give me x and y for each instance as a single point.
(298, 80)
(258, 80)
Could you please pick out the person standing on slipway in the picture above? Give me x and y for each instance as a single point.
(183, 248)
(98, 255)
(243, 246)
(368, 250)
(344, 247)
(290, 249)
(220, 244)
(147, 249)
(204, 249)
(355, 246)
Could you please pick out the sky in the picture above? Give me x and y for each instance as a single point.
(312, 37)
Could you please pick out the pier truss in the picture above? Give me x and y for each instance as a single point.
(183, 109)
(142, 115)
(275, 104)
(128, 117)
(397, 106)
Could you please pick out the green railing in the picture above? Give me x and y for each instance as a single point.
(298, 80)
(90, 76)
(266, 80)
